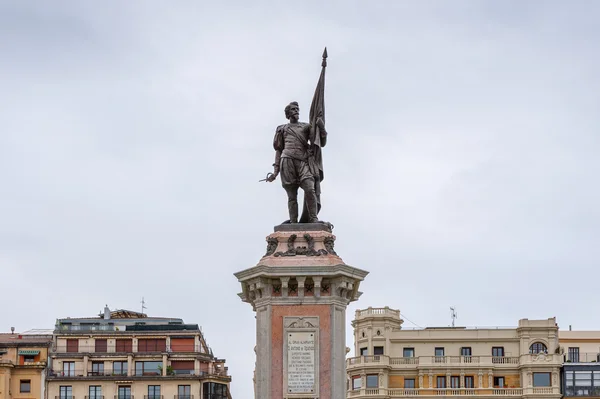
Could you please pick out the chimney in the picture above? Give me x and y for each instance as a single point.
(106, 312)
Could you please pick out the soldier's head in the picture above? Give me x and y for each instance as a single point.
(292, 111)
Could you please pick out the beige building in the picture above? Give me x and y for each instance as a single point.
(126, 355)
(23, 360)
(392, 362)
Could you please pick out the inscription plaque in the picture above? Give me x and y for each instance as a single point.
(301, 362)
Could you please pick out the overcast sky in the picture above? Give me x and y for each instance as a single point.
(461, 167)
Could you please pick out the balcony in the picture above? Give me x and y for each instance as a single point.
(369, 312)
(78, 373)
(437, 392)
(89, 349)
(592, 357)
(432, 361)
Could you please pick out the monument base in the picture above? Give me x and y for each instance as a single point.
(300, 290)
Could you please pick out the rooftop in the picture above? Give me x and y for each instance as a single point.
(20, 339)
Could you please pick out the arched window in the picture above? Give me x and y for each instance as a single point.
(538, 347)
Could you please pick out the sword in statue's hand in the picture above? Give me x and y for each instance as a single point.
(270, 177)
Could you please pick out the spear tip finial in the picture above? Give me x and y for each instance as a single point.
(324, 63)
(325, 53)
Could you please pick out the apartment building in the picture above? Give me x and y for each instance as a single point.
(391, 361)
(23, 360)
(581, 370)
(123, 354)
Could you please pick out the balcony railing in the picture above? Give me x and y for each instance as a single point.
(124, 397)
(413, 392)
(79, 372)
(582, 391)
(153, 396)
(587, 357)
(65, 397)
(183, 396)
(113, 349)
(488, 361)
(94, 397)
(377, 312)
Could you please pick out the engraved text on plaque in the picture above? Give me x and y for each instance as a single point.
(301, 362)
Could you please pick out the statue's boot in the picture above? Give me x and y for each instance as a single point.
(293, 210)
(310, 199)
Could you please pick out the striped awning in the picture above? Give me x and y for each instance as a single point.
(29, 352)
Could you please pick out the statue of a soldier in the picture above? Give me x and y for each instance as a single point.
(298, 154)
(298, 164)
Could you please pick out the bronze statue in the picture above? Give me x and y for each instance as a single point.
(298, 155)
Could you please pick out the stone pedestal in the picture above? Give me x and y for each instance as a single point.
(300, 290)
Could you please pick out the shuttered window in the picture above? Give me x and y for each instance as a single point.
(72, 345)
(152, 345)
(101, 346)
(182, 344)
(124, 345)
(183, 366)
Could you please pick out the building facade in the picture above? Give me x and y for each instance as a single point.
(581, 370)
(23, 360)
(126, 355)
(393, 362)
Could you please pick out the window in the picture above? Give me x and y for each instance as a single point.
(573, 355)
(97, 368)
(66, 392)
(68, 369)
(119, 368)
(356, 381)
(101, 346)
(183, 366)
(124, 345)
(465, 351)
(583, 379)
(372, 381)
(72, 345)
(469, 381)
(538, 347)
(408, 352)
(498, 382)
(182, 344)
(25, 386)
(439, 355)
(541, 379)
(409, 383)
(148, 368)
(378, 350)
(184, 392)
(455, 382)
(153, 391)
(28, 358)
(213, 390)
(124, 392)
(364, 351)
(152, 345)
(95, 392)
(498, 351)
(440, 382)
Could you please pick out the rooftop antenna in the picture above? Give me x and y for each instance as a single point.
(143, 305)
(453, 314)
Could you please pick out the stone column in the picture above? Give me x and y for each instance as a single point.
(298, 251)
(86, 360)
(164, 365)
(130, 365)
